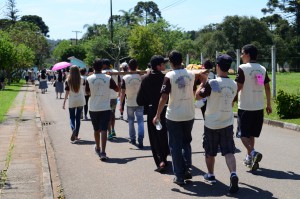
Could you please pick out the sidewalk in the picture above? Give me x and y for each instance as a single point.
(23, 160)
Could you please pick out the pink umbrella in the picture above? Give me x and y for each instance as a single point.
(61, 65)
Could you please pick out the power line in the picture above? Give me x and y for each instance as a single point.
(173, 5)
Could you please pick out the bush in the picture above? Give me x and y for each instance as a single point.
(288, 105)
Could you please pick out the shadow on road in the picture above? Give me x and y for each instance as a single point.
(269, 173)
(84, 142)
(125, 160)
(253, 192)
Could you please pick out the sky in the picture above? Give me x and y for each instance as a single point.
(63, 17)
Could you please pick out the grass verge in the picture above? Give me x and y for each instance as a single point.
(8, 96)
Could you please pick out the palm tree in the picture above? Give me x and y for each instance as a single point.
(128, 18)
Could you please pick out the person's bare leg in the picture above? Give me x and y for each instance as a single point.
(97, 139)
(231, 162)
(103, 141)
(210, 163)
(248, 143)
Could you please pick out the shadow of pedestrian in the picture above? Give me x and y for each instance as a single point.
(84, 142)
(253, 192)
(124, 160)
(202, 189)
(118, 140)
(269, 173)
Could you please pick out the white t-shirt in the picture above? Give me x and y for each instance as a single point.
(179, 85)
(219, 112)
(77, 99)
(132, 85)
(113, 94)
(251, 97)
(100, 92)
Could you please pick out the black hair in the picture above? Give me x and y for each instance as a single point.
(175, 58)
(251, 50)
(98, 64)
(60, 77)
(43, 74)
(208, 64)
(83, 71)
(224, 62)
(106, 62)
(132, 64)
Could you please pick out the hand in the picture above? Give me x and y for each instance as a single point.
(155, 119)
(269, 109)
(120, 108)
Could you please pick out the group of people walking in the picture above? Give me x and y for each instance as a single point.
(169, 102)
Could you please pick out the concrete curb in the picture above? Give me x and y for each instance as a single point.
(280, 124)
(47, 185)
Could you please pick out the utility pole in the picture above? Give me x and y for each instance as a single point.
(76, 31)
(273, 57)
(111, 23)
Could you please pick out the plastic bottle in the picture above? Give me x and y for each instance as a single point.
(158, 125)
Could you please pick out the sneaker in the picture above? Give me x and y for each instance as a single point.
(97, 151)
(179, 181)
(188, 174)
(121, 117)
(247, 162)
(86, 117)
(254, 166)
(103, 157)
(234, 184)
(257, 157)
(211, 179)
(110, 136)
(113, 133)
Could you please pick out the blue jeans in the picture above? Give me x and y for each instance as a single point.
(139, 113)
(180, 138)
(75, 114)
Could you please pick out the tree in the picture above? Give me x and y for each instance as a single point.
(289, 8)
(37, 21)
(148, 11)
(76, 51)
(29, 34)
(143, 44)
(94, 31)
(12, 11)
(128, 18)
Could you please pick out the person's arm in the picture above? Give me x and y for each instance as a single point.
(203, 79)
(122, 95)
(66, 97)
(268, 95)
(122, 98)
(163, 100)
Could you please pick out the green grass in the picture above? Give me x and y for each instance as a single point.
(288, 82)
(7, 97)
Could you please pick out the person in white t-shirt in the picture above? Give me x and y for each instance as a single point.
(113, 98)
(178, 86)
(252, 79)
(75, 96)
(98, 85)
(218, 125)
(130, 86)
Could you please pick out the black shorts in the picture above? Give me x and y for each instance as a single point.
(100, 119)
(215, 138)
(250, 122)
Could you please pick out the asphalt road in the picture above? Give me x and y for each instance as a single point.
(129, 173)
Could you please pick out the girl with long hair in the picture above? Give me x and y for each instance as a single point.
(75, 94)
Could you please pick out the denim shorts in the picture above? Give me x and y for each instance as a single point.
(215, 138)
(250, 122)
(100, 119)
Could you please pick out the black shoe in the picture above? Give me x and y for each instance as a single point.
(140, 146)
(234, 184)
(254, 166)
(179, 181)
(188, 174)
(132, 142)
(211, 179)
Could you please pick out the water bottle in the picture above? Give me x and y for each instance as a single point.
(158, 125)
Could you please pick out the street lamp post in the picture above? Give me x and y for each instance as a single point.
(76, 31)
